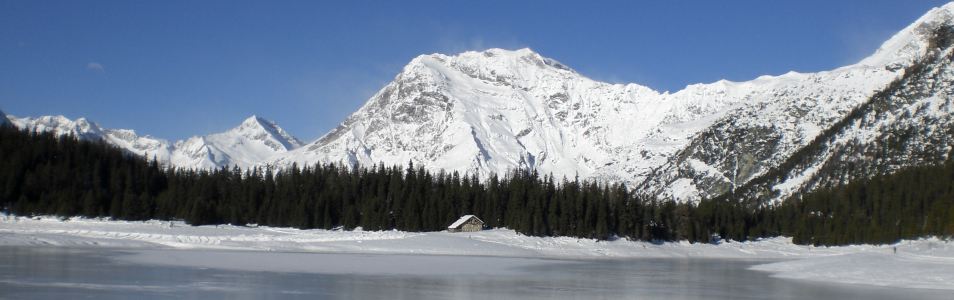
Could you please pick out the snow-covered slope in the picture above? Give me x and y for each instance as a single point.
(489, 112)
(910, 123)
(492, 111)
(84, 129)
(756, 138)
(255, 140)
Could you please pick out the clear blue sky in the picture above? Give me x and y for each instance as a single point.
(178, 68)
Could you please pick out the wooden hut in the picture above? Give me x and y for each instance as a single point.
(468, 223)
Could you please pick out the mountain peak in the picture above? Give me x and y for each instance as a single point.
(492, 60)
(254, 123)
(495, 110)
(258, 128)
(256, 120)
(517, 53)
(255, 140)
(252, 141)
(911, 42)
(60, 125)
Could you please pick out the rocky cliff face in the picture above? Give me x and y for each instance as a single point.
(759, 138)
(909, 123)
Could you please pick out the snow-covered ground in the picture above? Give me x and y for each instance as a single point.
(925, 263)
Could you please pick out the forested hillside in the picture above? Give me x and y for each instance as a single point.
(908, 204)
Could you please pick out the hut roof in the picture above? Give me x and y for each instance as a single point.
(463, 220)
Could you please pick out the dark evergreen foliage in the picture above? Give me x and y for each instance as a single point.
(911, 203)
(44, 174)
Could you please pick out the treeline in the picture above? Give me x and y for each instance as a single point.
(44, 174)
(910, 203)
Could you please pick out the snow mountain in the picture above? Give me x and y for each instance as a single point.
(909, 123)
(758, 137)
(84, 129)
(491, 111)
(253, 141)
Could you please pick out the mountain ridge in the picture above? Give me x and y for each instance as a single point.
(492, 111)
(254, 140)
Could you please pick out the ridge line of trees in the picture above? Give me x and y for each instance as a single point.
(41, 173)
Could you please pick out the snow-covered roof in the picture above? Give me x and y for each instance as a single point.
(462, 220)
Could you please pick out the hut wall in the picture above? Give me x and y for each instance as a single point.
(472, 226)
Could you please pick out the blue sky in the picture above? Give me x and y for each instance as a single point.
(173, 69)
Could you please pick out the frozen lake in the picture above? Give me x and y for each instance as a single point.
(70, 273)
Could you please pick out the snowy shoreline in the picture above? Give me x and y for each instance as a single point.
(923, 263)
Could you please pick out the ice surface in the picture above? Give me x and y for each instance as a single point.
(925, 263)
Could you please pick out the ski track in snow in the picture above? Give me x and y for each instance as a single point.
(923, 263)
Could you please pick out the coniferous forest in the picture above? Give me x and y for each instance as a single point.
(41, 173)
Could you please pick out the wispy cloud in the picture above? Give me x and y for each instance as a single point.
(95, 67)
